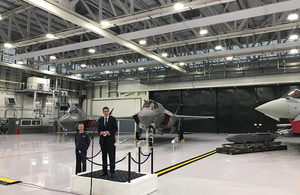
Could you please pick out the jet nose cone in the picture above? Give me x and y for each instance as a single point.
(147, 117)
(275, 109)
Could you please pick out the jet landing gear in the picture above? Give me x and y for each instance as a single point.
(138, 133)
(149, 135)
(137, 136)
(180, 132)
(151, 131)
(151, 141)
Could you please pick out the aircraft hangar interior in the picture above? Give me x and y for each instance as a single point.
(182, 97)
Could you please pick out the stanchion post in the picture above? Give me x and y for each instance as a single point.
(151, 160)
(139, 165)
(129, 166)
(91, 187)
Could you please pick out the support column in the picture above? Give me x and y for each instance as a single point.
(53, 104)
(34, 104)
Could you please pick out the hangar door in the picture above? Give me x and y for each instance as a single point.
(233, 107)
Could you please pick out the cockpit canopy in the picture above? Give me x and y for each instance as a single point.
(294, 94)
(75, 110)
(150, 104)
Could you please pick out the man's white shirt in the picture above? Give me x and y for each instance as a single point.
(104, 124)
(107, 119)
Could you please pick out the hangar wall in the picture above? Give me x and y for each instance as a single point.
(231, 101)
(135, 86)
(24, 104)
(22, 101)
(124, 104)
(108, 94)
(122, 107)
(13, 85)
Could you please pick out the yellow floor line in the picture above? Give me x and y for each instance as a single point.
(184, 163)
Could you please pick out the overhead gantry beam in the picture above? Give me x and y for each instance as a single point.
(200, 22)
(283, 47)
(86, 23)
(125, 20)
(26, 68)
(165, 11)
(17, 10)
(43, 39)
(244, 33)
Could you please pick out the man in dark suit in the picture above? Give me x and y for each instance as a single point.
(107, 129)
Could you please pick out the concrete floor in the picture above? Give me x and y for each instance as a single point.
(48, 160)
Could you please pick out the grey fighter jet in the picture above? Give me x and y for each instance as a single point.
(288, 107)
(154, 117)
(74, 116)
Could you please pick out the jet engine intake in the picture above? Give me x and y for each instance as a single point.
(136, 119)
(166, 121)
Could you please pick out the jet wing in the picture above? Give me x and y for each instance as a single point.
(125, 118)
(122, 118)
(188, 117)
(96, 117)
(93, 117)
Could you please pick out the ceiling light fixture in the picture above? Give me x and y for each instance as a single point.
(293, 17)
(181, 63)
(105, 23)
(20, 62)
(107, 72)
(7, 45)
(203, 32)
(92, 50)
(50, 36)
(294, 37)
(229, 58)
(120, 61)
(142, 42)
(164, 54)
(141, 68)
(52, 58)
(82, 65)
(218, 47)
(294, 51)
(178, 6)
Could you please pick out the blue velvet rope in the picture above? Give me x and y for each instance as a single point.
(95, 155)
(103, 164)
(143, 161)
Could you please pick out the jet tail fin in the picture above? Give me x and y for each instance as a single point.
(111, 111)
(178, 106)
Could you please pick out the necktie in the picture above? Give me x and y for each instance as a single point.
(105, 123)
